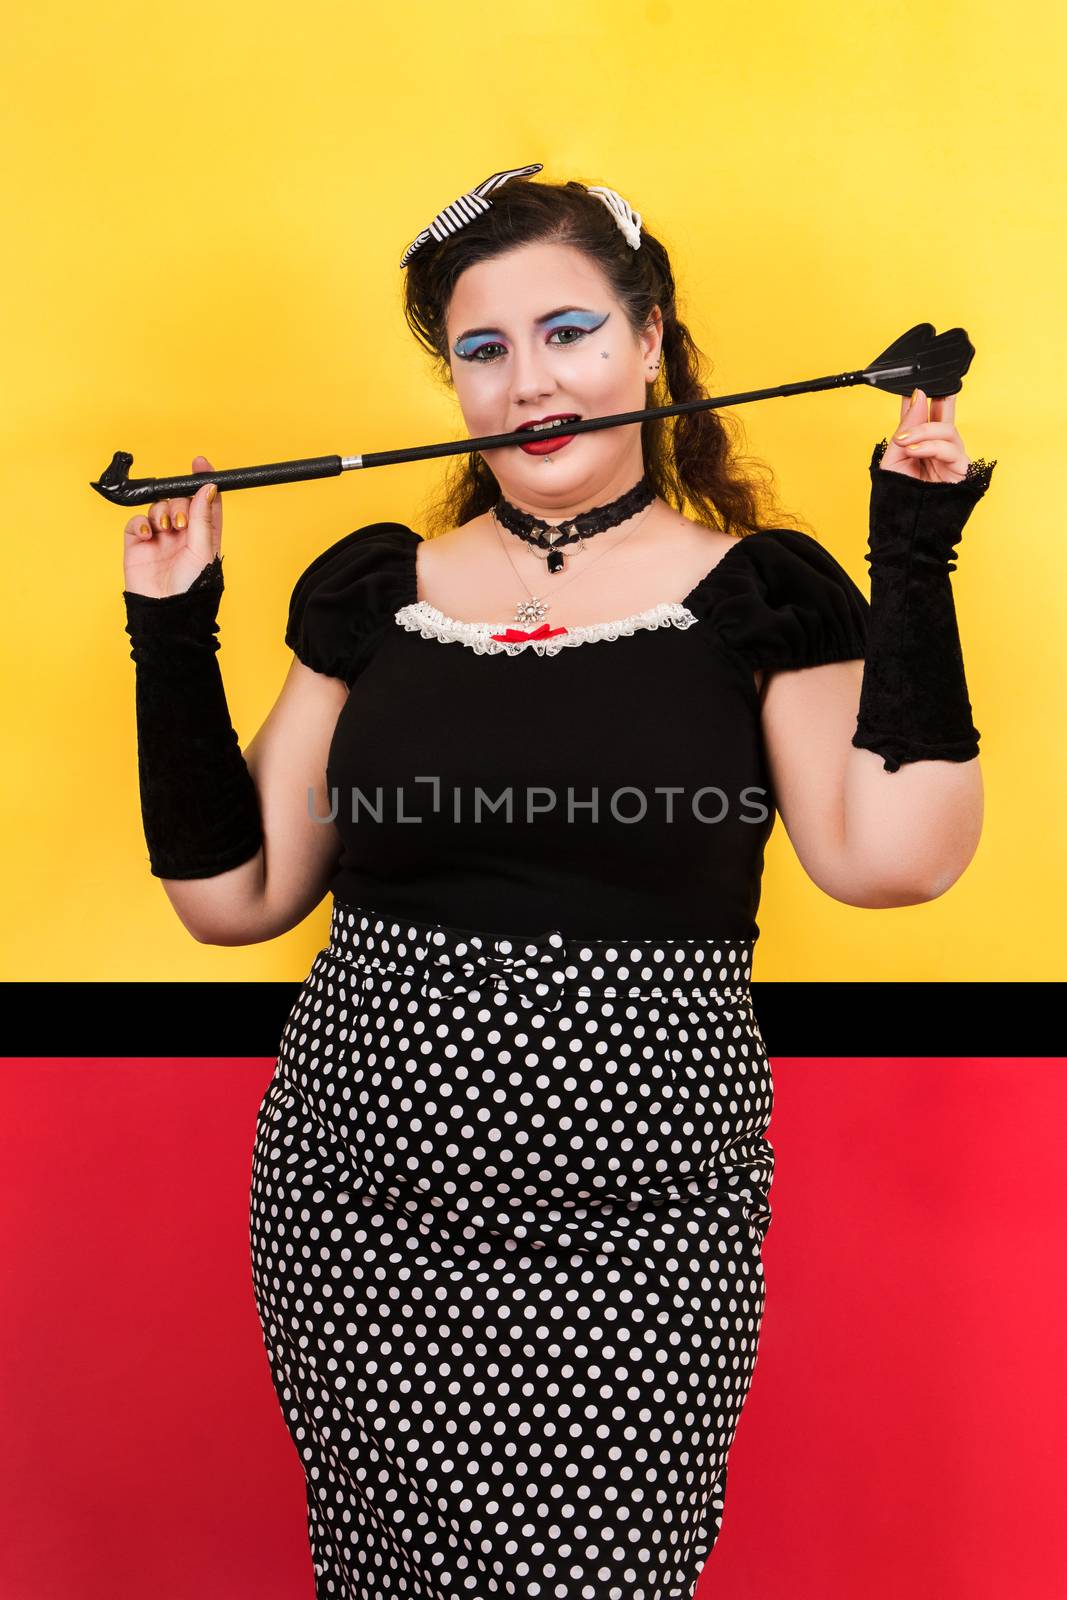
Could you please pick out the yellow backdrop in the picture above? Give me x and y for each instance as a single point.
(206, 209)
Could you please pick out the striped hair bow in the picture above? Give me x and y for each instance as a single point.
(476, 201)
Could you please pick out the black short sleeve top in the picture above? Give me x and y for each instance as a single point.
(606, 781)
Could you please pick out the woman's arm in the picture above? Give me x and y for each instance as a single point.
(874, 760)
(275, 890)
(866, 836)
(241, 841)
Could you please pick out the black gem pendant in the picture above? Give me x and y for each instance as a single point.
(555, 561)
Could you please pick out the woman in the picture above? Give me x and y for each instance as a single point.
(511, 1175)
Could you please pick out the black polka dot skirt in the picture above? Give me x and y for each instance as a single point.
(507, 1204)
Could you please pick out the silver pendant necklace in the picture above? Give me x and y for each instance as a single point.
(535, 608)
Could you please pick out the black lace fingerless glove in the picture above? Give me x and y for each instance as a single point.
(913, 701)
(199, 803)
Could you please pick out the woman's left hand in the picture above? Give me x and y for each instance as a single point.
(929, 449)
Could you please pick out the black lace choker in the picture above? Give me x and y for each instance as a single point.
(550, 536)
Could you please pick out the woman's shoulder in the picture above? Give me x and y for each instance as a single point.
(783, 600)
(346, 593)
(357, 551)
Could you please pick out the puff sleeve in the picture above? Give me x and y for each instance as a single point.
(342, 601)
(780, 600)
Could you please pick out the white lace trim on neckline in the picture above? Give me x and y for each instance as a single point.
(422, 617)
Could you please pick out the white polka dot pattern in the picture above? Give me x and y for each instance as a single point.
(507, 1204)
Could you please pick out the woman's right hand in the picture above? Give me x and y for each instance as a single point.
(162, 558)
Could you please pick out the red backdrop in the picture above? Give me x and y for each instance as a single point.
(903, 1434)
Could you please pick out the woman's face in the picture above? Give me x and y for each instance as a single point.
(535, 333)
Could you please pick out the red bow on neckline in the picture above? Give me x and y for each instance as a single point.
(517, 636)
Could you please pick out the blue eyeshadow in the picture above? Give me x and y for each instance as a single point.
(587, 320)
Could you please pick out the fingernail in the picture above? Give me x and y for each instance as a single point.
(164, 521)
(212, 491)
(179, 521)
(905, 435)
(144, 530)
(914, 397)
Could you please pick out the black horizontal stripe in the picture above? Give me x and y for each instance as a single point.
(796, 1019)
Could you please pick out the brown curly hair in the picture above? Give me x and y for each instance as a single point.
(692, 461)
